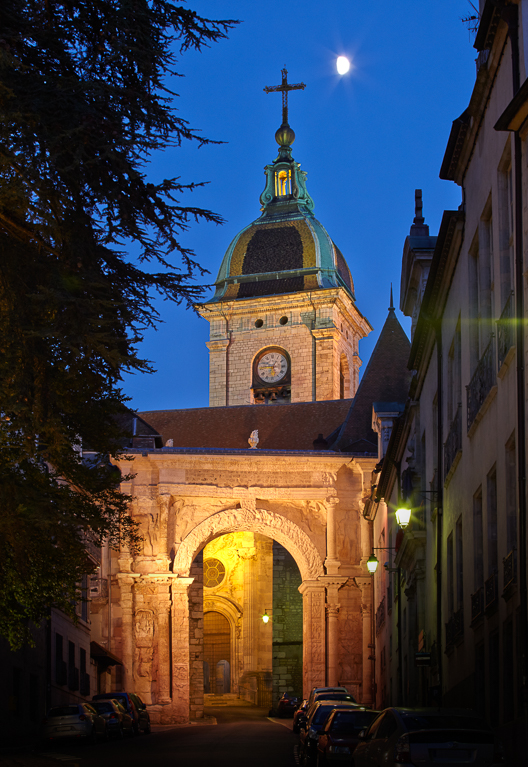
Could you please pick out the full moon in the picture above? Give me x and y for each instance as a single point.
(343, 65)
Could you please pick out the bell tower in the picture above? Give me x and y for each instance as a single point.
(284, 326)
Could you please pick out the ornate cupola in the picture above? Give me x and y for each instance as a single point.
(284, 293)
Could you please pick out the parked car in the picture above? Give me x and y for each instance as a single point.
(300, 711)
(340, 735)
(346, 696)
(428, 737)
(316, 717)
(73, 720)
(287, 704)
(118, 721)
(133, 705)
(316, 690)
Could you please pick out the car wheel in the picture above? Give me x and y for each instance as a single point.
(147, 728)
(136, 729)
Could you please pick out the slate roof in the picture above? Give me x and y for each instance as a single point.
(386, 379)
(281, 427)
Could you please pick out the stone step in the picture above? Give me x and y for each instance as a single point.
(229, 699)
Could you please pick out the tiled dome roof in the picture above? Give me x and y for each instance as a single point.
(286, 250)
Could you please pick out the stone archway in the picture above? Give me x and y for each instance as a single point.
(251, 519)
(248, 518)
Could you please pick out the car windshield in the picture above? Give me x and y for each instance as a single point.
(321, 715)
(442, 722)
(64, 711)
(103, 708)
(352, 721)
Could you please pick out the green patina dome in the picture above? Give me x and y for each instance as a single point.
(286, 250)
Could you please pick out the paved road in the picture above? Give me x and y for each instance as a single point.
(242, 737)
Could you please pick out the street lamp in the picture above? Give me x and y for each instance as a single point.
(372, 564)
(403, 514)
(265, 617)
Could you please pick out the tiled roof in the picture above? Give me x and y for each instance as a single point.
(386, 379)
(281, 427)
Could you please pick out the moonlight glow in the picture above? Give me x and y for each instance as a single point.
(343, 65)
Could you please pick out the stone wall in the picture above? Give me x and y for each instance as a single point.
(287, 625)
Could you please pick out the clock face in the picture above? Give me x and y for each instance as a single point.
(272, 367)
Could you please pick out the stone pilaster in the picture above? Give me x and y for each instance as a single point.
(325, 385)
(180, 651)
(313, 594)
(218, 372)
(332, 585)
(332, 563)
(126, 585)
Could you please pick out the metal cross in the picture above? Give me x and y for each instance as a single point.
(284, 88)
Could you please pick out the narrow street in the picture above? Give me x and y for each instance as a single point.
(241, 737)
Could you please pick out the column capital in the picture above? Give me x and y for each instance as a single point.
(332, 610)
(307, 586)
(332, 581)
(332, 501)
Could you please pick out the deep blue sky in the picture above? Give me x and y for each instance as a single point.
(366, 139)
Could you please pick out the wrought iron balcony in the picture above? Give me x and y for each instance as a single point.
(477, 604)
(510, 569)
(380, 616)
(453, 443)
(481, 383)
(491, 592)
(506, 330)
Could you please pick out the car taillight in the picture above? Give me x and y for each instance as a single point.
(82, 717)
(113, 716)
(402, 751)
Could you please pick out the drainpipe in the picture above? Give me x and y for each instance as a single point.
(401, 702)
(510, 14)
(439, 512)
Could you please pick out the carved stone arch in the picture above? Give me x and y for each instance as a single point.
(275, 526)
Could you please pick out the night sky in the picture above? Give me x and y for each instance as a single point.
(367, 139)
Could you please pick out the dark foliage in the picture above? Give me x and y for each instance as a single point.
(83, 102)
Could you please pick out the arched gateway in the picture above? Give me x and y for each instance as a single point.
(284, 358)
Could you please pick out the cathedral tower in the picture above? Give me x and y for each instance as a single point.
(284, 326)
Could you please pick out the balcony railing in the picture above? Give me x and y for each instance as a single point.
(380, 616)
(510, 569)
(477, 604)
(481, 383)
(491, 592)
(505, 330)
(453, 443)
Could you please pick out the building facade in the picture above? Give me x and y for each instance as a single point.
(451, 604)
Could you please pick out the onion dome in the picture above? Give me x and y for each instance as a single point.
(286, 250)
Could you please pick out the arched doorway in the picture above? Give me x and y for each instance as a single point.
(217, 653)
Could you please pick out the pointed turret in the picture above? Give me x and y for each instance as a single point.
(385, 384)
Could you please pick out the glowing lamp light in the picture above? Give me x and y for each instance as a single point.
(403, 516)
(372, 564)
(265, 617)
(342, 65)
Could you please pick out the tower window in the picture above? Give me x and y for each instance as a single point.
(283, 183)
(283, 320)
(259, 323)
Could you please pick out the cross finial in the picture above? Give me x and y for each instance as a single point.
(284, 87)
